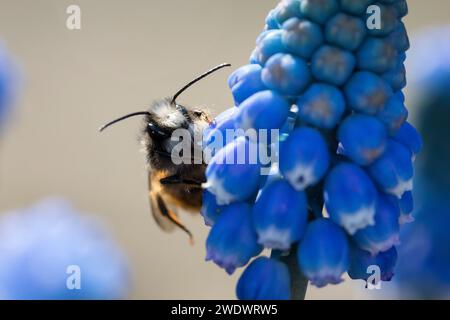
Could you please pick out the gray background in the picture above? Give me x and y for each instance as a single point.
(128, 53)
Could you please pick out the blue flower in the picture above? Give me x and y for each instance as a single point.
(228, 167)
(384, 233)
(287, 74)
(304, 158)
(350, 197)
(280, 215)
(363, 138)
(232, 241)
(332, 65)
(393, 171)
(322, 105)
(367, 93)
(41, 246)
(324, 254)
(264, 279)
(332, 88)
(245, 82)
(9, 82)
(361, 260)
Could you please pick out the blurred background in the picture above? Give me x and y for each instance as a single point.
(126, 54)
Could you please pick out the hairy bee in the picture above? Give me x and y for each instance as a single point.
(172, 186)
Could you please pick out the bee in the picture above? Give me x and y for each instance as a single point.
(172, 186)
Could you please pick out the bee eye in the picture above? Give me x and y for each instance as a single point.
(198, 113)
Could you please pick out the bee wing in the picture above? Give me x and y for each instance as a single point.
(162, 220)
(166, 218)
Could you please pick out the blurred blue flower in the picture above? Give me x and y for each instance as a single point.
(9, 82)
(424, 258)
(44, 246)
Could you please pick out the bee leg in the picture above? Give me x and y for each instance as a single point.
(176, 179)
(172, 217)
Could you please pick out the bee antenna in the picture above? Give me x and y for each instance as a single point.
(140, 113)
(204, 75)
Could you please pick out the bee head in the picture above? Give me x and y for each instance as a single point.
(167, 115)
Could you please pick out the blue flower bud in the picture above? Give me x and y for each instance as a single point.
(350, 197)
(363, 138)
(301, 37)
(396, 77)
(231, 165)
(286, 74)
(264, 279)
(280, 215)
(269, 45)
(288, 9)
(321, 105)
(384, 234)
(388, 16)
(394, 113)
(345, 31)
(304, 158)
(332, 65)
(401, 6)
(408, 136)
(263, 110)
(393, 171)
(323, 254)
(232, 241)
(357, 7)
(214, 137)
(399, 37)
(271, 20)
(406, 204)
(367, 92)
(245, 82)
(210, 210)
(361, 260)
(319, 11)
(9, 83)
(377, 55)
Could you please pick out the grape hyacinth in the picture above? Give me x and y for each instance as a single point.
(43, 248)
(329, 77)
(8, 84)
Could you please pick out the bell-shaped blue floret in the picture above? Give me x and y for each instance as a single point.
(357, 7)
(210, 210)
(301, 37)
(377, 55)
(363, 263)
(319, 11)
(323, 254)
(287, 74)
(280, 215)
(332, 65)
(367, 93)
(408, 136)
(215, 135)
(233, 174)
(322, 105)
(245, 82)
(384, 234)
(232, 241)
(393, 171)
(350, 197)
(345, 31)
(263, 110)
(264, 279)
(363, 138)
(304, 158)
(394, 113)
